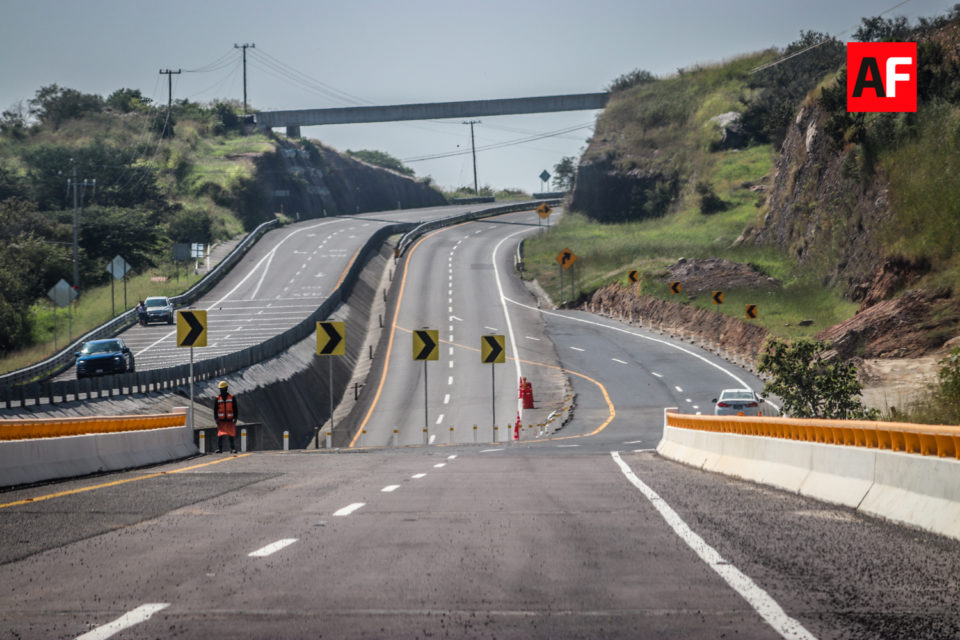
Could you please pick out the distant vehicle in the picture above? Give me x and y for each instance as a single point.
(159, 309)
(104, 357)
(737, 402)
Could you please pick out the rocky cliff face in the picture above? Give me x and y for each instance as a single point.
(821, 211)
(309, 180)
(608, 194)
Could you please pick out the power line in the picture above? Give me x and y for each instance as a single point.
(498, 145)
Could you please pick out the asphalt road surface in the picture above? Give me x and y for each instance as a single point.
(583, 534)
(284, 277)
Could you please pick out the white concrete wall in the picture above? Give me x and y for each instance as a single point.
(919, 491)
(25, 461)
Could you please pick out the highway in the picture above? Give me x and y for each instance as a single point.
(583, 534)
(283, 278)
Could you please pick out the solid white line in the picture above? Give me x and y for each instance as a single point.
(417, 476)
(390, 488)
(263, 552)
(760, 600)
(350, 508)
(506, 315)
(618, 360)
(127, 620)
(642, 337)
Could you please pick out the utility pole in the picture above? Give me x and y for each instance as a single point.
(170, 75)
(244, 47)
(74, 183)
(473, 149)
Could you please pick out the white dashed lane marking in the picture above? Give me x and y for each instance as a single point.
(127, 620)
(618, 360)
(273, 547)
(350, 508)
(417, 476)
(390, 488)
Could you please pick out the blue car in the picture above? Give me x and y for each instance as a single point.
(104, 357)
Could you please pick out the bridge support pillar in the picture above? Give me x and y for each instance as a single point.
(293, 131)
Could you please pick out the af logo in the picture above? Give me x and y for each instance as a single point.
(881, 77)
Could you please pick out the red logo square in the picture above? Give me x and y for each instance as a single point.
(881, 77)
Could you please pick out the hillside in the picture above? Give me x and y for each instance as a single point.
(147, 178)
(760, 164)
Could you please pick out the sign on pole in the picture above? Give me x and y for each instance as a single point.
(492, 350)
(544, 210)
(331, 338)
(426, 344)
(751, 311)
(717, 297)
(192, 328)
(191, 332)
(544, 176)
(675, 288)
(566, 258)
(634, 276)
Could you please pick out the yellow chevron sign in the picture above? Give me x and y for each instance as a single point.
(492, 350)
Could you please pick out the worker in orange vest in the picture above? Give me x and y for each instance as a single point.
(225, 413)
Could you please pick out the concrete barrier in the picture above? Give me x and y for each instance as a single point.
(908, 488)
(121, 444)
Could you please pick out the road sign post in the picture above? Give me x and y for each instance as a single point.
(331, 341)
(492, 352)
(565, 259)
(191, 332)
(118, 268)
(718, 300)
(426, 346)
(675, 288)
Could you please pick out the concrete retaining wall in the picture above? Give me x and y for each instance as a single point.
(27, 461)
(916, 490)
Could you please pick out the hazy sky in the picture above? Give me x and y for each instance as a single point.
(315, 54)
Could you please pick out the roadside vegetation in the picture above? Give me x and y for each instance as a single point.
(146, 177)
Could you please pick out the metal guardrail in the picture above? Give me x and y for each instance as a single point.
(177, 377)
(64, 359)
(928, 440)
(426, 227)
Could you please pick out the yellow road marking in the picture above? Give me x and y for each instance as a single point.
(115, 483)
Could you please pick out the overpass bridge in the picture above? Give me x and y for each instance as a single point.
(292, 120)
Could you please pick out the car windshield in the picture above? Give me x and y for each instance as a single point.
(156, 302)
(101, 347)
(739, 394)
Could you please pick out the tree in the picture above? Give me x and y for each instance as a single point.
(127, 100)
(810, 386)
(565, 173)
(108, 231)
(53, 105)
(14, 120)
(635, 78)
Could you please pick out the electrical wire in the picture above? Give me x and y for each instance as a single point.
(497, 145)
(822, 42)
(216, 65)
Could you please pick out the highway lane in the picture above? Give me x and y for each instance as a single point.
(281, 280)
(452, 282)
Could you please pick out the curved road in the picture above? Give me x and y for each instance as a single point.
(585, 534)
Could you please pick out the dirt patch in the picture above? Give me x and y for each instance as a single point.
(717, 273)
(895, 383)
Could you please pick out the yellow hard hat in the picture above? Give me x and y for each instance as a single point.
(223, 384)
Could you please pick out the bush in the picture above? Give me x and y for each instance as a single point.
(809, 386)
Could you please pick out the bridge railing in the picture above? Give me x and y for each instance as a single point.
(64, 359)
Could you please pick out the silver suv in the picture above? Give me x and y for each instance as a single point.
(159, 309)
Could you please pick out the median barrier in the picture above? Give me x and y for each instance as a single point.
(91, 446)
(896, 471)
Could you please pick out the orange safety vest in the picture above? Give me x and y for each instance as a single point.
(225, 409)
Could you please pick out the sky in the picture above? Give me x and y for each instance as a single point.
(322, 53)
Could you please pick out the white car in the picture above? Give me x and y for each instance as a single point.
(737, 402)
(159, 309)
